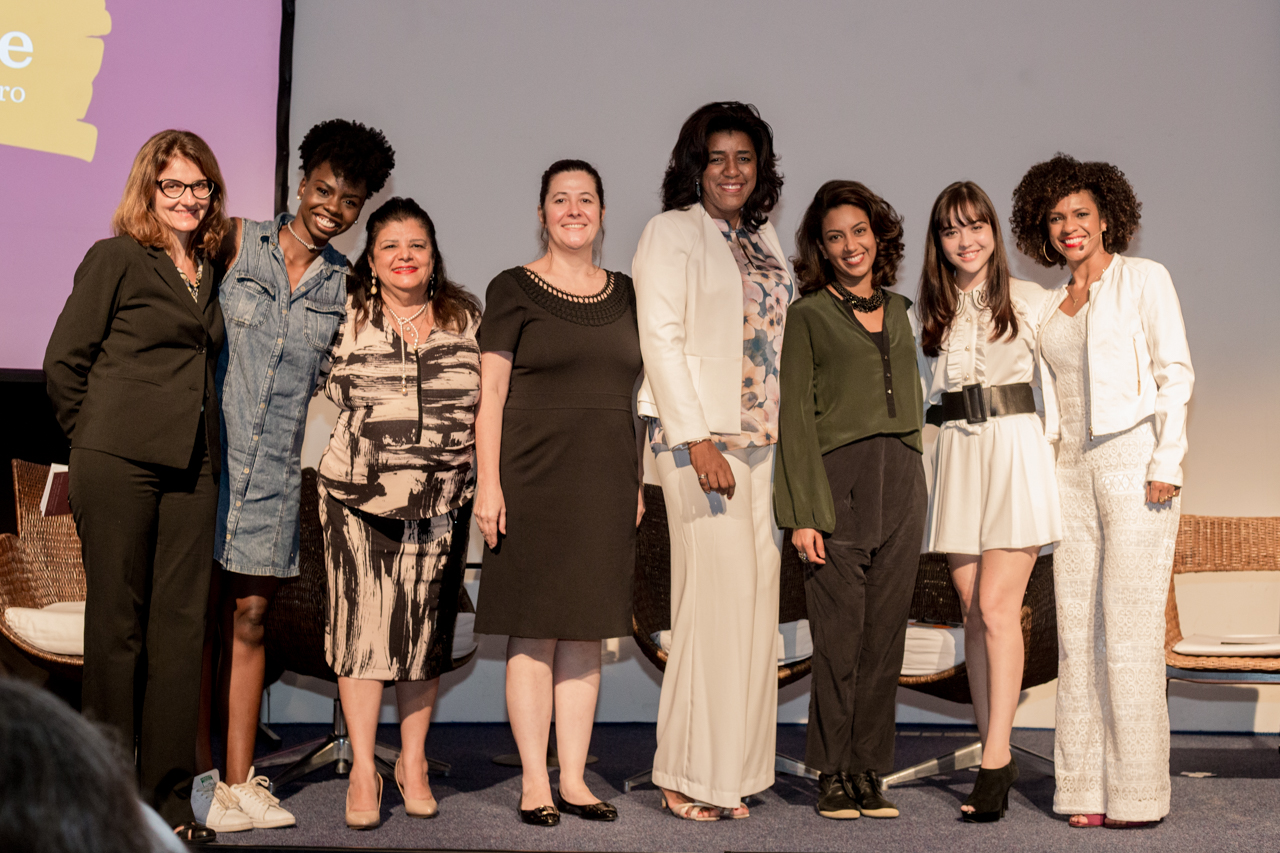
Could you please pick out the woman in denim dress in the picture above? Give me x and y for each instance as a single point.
(284, 297)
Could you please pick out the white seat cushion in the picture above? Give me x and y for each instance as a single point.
(1230, 645)
(794, 641)
(58, 628)
(932, 648)
(464, 635)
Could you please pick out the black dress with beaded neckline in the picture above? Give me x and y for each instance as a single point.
(568, 465)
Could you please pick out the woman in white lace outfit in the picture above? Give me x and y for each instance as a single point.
(995, 498)
(1117, 377)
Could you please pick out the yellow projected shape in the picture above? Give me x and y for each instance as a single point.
(48, 59)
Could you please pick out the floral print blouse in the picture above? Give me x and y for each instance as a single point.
(767, 290)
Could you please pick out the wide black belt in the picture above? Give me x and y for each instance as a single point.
(976, 403)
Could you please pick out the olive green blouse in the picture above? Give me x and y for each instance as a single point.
(837, 387)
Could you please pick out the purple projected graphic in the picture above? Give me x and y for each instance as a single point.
(83, 83)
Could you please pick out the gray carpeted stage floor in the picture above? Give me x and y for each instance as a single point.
(1238, 809)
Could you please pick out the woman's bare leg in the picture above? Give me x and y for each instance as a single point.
(530, 689)
(964, 575)
(1002, 583)
(577, 684)
(246, 600)
(415, 700)
(361, 704)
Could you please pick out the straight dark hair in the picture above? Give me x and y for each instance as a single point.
(961, 203)
(559, 167)
(813, 270)
(689, 159)
(452, 307)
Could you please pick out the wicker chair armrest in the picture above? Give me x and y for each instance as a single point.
(16, 578)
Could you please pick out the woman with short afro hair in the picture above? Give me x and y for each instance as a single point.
(1117, 378)
(284, 297)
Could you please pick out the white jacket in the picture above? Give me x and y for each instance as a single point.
(1139, 364)
(689, 307)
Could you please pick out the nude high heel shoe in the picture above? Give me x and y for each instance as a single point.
(424, 808)
(365, 818)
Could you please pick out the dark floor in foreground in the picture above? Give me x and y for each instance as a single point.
(1235, 809)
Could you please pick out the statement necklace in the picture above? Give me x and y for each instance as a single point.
(406, 326)
(861, 304)
(311, 246)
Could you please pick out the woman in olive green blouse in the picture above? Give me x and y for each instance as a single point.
(849, 483)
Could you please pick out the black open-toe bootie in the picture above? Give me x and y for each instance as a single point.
(990, 795)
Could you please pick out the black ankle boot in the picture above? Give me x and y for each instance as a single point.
(866, 789)
(990, 796)
(834, 800)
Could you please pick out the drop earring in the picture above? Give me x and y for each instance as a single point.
(373, 286)
(431, 287)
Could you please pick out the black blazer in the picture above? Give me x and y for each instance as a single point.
(130, 365)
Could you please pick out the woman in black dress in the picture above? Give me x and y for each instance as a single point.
(558, 495)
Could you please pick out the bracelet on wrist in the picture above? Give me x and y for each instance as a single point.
(688, 445)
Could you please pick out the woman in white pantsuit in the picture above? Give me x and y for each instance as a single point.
(1117, 379)
(712, 290)
(995, 498)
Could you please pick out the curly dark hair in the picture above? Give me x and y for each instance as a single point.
(961, 203)
(689, 159)
(1045, 184)
(356, 153)
(63, 785)
(451, 305)
(813, 270)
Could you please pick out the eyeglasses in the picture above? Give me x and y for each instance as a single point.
(175, 189)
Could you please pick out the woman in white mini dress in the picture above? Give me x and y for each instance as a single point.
(995, 499)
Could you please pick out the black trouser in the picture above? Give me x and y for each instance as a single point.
(147, 537)
(858, 603)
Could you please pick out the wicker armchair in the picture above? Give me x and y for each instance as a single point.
(1219, 544)
(40, 566)
(294, 639)
(936, 600)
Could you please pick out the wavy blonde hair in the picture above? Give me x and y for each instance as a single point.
(136, 215)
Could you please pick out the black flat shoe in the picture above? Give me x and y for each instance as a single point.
(595, 811)
(194, 832)
(865, 788)
(990, 796)
(541, 816)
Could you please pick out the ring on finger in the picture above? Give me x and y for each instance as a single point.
(804, 558)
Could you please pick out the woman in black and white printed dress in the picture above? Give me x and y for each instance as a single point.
(398, 468)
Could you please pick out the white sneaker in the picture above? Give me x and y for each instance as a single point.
(224, 812)
(262, 807)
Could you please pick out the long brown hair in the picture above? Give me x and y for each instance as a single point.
(452, 307)
(962, 203)
(136, 214)
(813, 270)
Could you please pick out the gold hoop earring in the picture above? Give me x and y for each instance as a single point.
(1044, 250)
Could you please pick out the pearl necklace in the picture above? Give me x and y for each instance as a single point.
(406, 325)
(311, 246)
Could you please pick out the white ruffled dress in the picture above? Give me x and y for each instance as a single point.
(994, 484)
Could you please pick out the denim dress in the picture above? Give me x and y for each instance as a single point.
(278, 346)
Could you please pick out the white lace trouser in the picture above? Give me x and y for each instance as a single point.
(1111, 577)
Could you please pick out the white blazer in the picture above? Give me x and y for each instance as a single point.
(1139, 364)
(689, 307)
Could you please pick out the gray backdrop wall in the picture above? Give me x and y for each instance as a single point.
(479, 97)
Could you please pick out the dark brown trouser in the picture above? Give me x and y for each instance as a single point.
(858, 603)
(146, 534)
